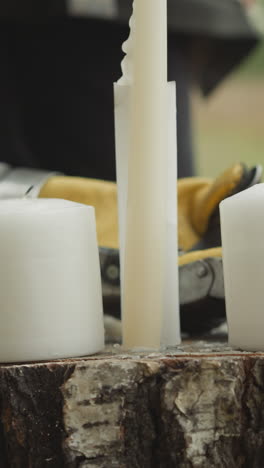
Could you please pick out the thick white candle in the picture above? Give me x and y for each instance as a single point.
(50, 290)
(146, 153)
(242, 226)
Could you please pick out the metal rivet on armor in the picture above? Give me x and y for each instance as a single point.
(202, 271)
(112, 272)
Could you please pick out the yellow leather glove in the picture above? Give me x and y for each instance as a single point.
(198, 199)
(100, 194)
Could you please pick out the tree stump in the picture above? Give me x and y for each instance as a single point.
(200, 405)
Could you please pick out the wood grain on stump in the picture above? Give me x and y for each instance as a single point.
(196, 406)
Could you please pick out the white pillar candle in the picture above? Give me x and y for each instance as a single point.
(242, 226)
(50, 289)
(145, 116)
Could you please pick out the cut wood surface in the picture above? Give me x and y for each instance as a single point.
(200, 405)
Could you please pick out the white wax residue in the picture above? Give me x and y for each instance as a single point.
(242, 226)
(50, 288)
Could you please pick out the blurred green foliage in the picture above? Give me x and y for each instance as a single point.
(254, 65)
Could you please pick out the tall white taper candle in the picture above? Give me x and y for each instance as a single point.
(146, 161)
(146, 199)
